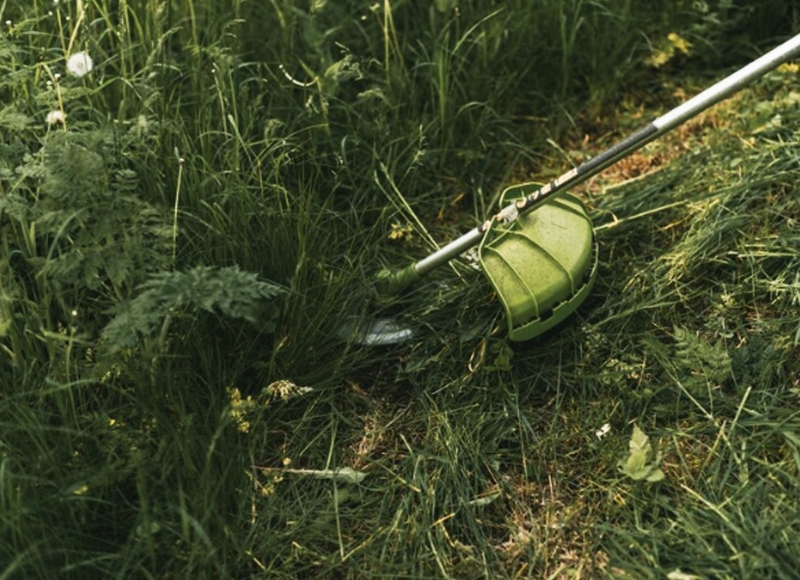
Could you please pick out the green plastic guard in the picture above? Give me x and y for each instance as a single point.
(542, 265)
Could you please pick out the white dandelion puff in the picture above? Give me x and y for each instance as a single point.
(80, 64)
(55, 117)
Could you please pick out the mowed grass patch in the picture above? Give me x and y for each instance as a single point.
(710, 343)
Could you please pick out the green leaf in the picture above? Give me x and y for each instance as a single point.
(639, 442)
(503, 355)
(13, 120)
(225, 291)
(703, 364)
(641, 463)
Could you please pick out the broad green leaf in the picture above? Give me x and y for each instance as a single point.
(636, 465)
(639, 442)
(641, 463)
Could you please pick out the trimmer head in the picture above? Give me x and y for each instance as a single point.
(540, 255)
(542, 265)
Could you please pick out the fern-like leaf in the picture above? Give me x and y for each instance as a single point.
(705, 364)
(226, 291)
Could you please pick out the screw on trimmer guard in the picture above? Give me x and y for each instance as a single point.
(543, 263)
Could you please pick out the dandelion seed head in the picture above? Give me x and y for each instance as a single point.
(80, 64)
(57, 76)
(55, 117)
(8, 23)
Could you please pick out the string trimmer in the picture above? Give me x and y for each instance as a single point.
(543, 264)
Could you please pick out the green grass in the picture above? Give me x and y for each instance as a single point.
(177, 261)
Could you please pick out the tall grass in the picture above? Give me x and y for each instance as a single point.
(179, 256)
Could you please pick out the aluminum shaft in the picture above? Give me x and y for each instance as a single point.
(656, 128)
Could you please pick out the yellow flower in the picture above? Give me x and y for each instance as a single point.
(675, 44)
(400, 232)
(680, 43)
(240, 408)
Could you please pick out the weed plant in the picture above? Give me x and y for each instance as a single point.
(194, 200)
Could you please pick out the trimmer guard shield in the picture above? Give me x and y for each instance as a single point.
(542, 265)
